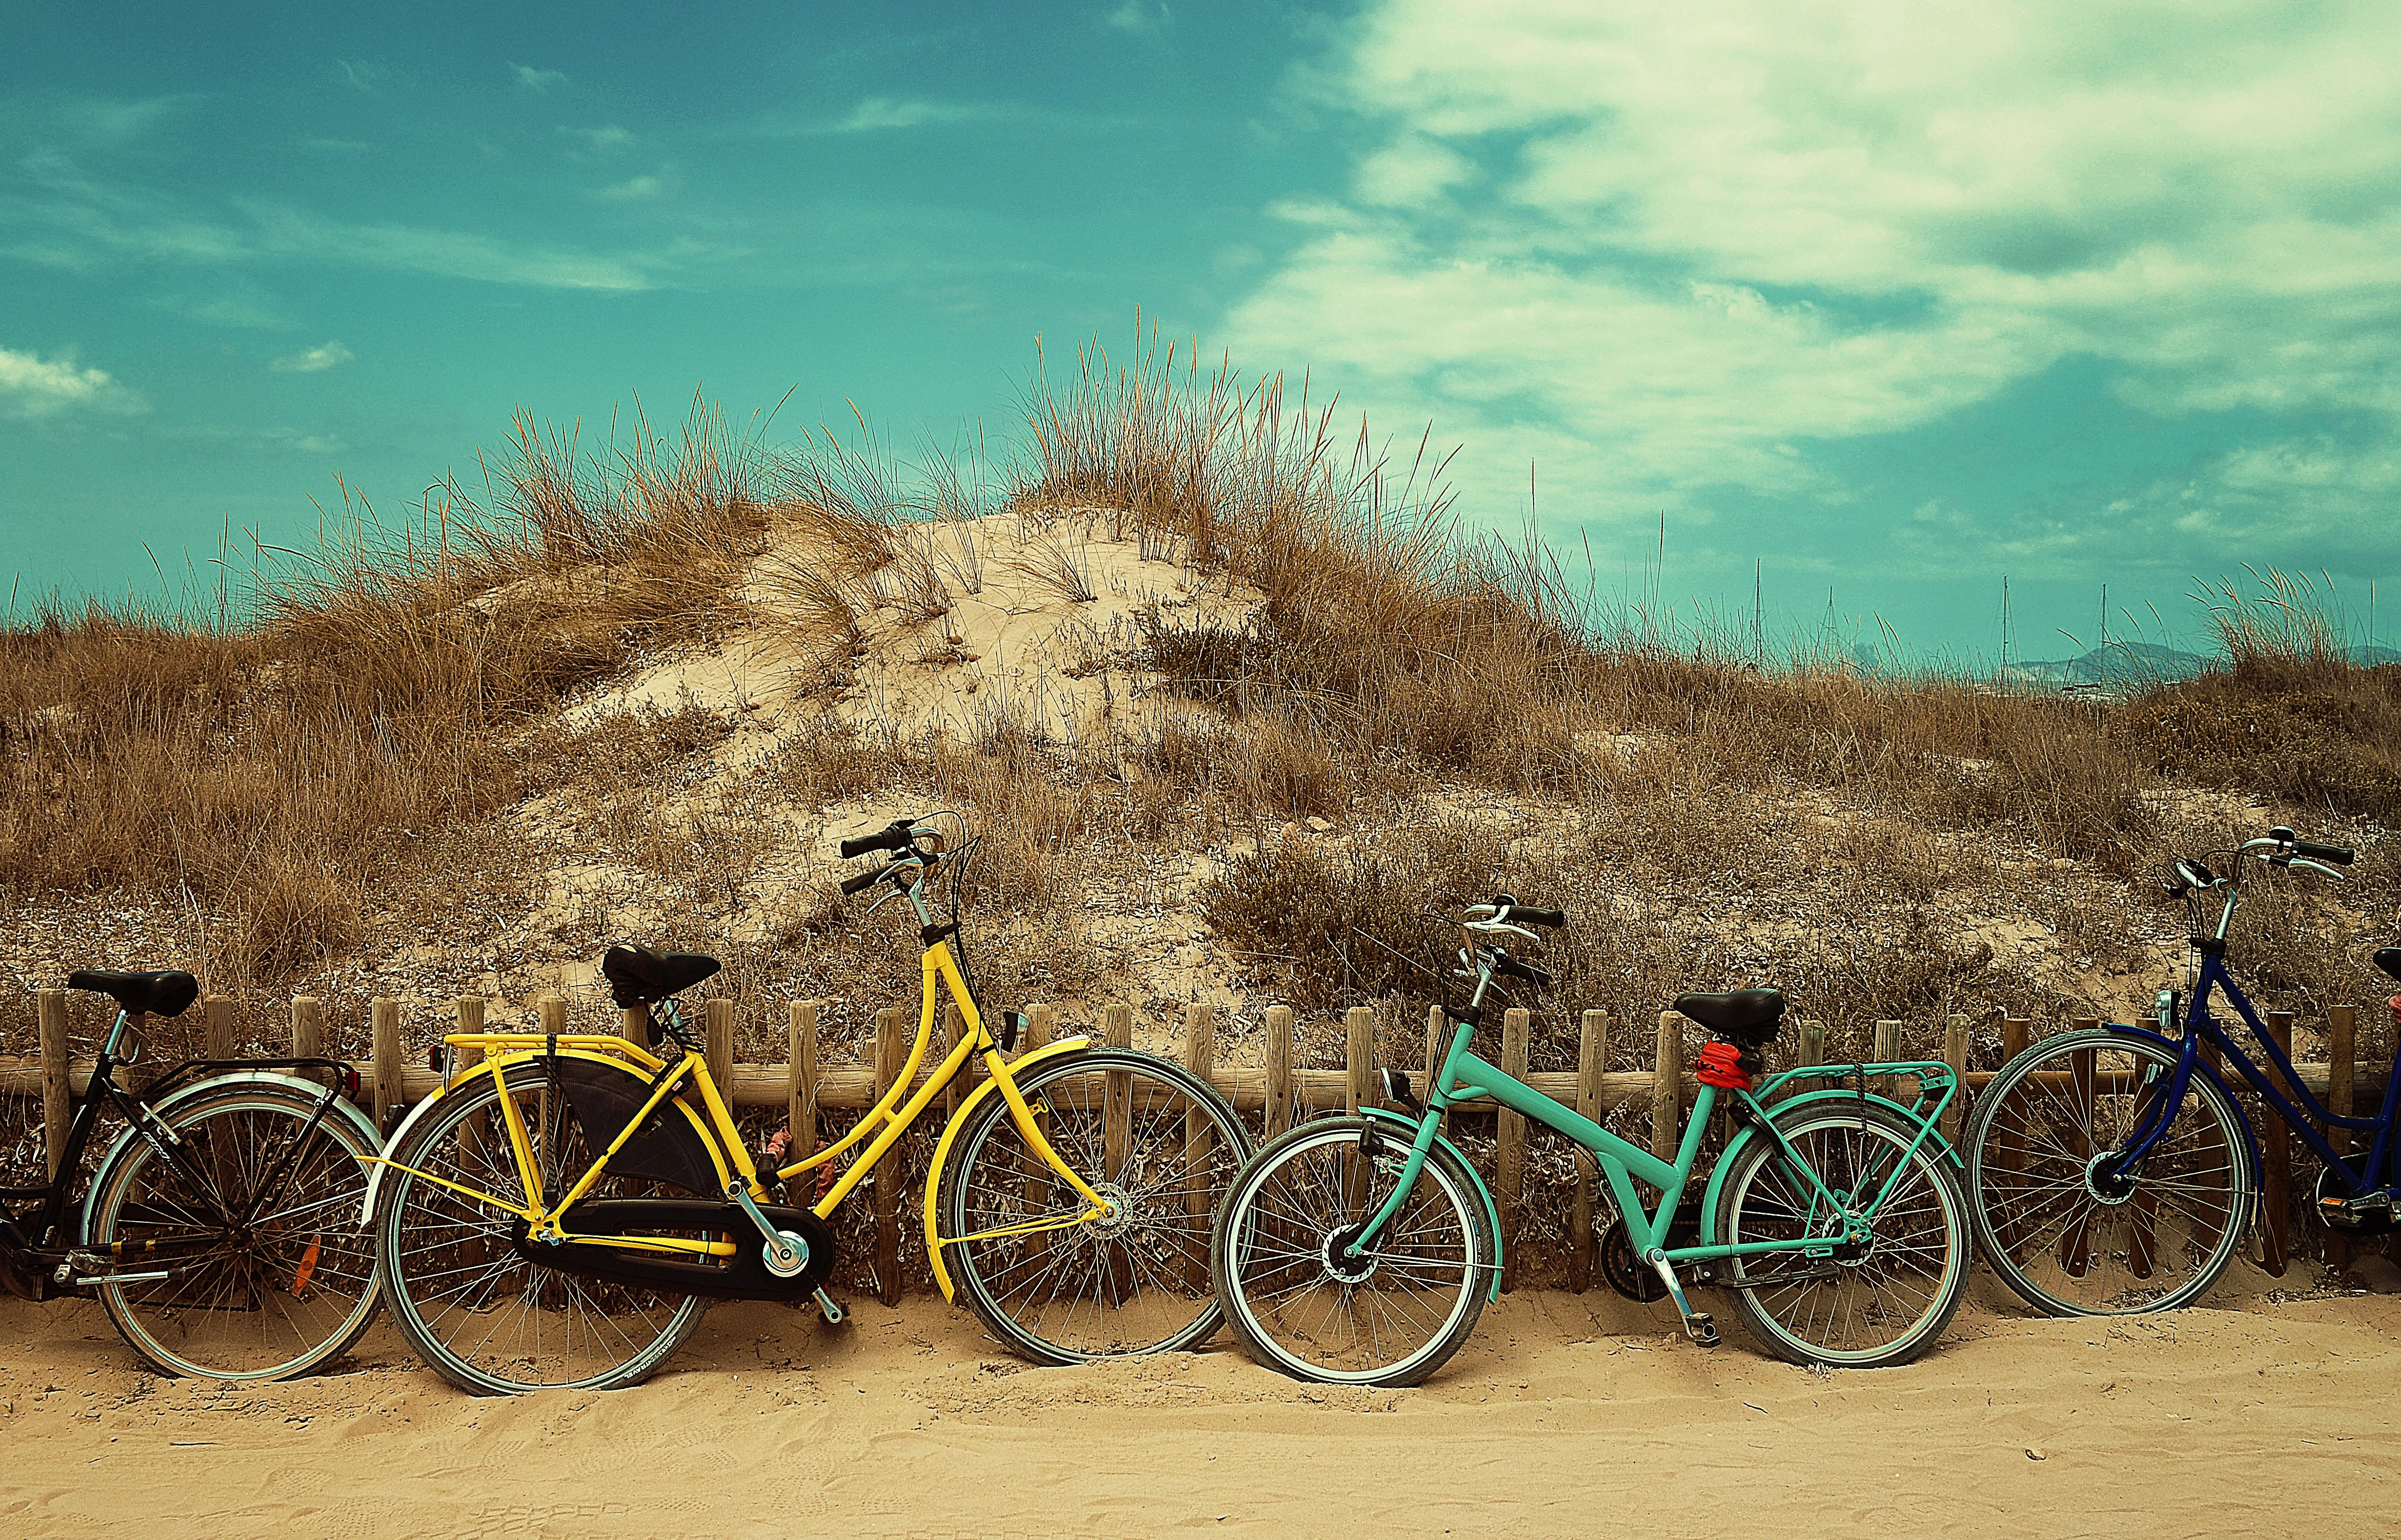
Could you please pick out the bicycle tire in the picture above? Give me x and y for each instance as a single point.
(2037, 1208)
(278, 1293)
(1890, 1302)
(1136, 1285)
(481, 1316)
(1271, 1256)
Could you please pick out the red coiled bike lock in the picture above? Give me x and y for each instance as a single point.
(1722, 1066)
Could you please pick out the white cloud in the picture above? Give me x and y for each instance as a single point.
(1411, 172)
(538, 80)
(633, 189)
(315, 360)
(604, 139)
(1136, 16)
(887, 112)
(1664, 248)
(34, 387)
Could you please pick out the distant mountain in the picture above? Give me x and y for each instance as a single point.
(2118, 664)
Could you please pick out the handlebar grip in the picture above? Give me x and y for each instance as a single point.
(890, 838)
(1548, 919)
(864, 880)
(1504, 963)
(2333, 856)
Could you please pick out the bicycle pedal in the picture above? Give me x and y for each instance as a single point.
(1702, 1329)
(834, 1314)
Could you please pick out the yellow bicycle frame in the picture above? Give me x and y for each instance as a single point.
(884, 1124)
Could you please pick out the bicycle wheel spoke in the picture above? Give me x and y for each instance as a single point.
(486, 1314)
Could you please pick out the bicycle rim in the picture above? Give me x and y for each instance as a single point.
(1391, 1317)
(1159, 1143)
(268, 1273)
(1882, 1305)
(2053, 1228)
(484, 1316)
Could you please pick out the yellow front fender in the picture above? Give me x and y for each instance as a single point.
(942, 1151)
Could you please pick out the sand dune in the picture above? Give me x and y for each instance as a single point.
(1564, 1415)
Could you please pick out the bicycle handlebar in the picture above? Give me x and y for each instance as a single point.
(1550, 919)
(1505, 964)
(2339, 855)
(865, 881)
(896, 836)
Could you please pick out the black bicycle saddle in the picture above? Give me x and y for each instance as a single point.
(639, 976)
(158, 994)
(1748, 1016)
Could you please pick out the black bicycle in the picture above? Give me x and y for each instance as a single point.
(222, 1229)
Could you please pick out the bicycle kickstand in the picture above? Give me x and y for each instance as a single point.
(1698, 1324)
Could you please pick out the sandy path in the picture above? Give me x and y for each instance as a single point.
(1564, 1415)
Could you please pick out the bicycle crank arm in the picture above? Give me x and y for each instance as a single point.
(1698, 1323)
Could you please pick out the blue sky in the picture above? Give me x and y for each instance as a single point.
(1894, 299)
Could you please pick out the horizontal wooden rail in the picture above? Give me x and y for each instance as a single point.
(806, 1088)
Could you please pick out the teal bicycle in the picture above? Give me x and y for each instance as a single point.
(1360, 1250)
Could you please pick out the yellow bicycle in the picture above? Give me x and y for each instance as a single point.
(558, 1213)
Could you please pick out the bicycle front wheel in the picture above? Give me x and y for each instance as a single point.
(262, 1270)
(1150, 1137)
(2074, 1240)
(1865, 1306)
(485, 1315)
(1302, 1305)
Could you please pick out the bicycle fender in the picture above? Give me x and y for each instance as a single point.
(503, 1065)
(1833, 1093)
(342, 1108)
(1491, 1209)
(950, 1133)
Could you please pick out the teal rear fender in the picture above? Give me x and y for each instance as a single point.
(1734, 1147)
(1409, 1129)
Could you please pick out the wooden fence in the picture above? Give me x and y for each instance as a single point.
(804, 1087)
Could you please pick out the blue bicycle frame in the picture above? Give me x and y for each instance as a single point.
(2201, 1025)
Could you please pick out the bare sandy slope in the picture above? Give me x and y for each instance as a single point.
(1565, 1416)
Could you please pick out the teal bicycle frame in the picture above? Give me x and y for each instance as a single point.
(1465, 1078)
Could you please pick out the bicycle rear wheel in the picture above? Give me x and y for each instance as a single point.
(1389, 1318)
(1879, 1304)
(267, 1273)
(1148, 1134)
(487, 1317)
(2069, 1240)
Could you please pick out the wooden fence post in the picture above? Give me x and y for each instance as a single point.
(1510, 1159)
(1041, 1025)
(1279, 1095)
(1955, 1054)
(389, 1090)
(58, 1096)
(1199, 1145)
(1886, 1049)
(308, 1027)
(1117, 1095)
(2342, 1055)
(891, 1052)
(216, 1017)
(717, 1041)
(633, 1024)
(1667, 1088)
(1813, 1042)
(470, 1009)
(2075, 1242)
(551, 1009)
(2276, 1179)
(1592, 1062)
(800, 1087)
(1358, 1057)
(954, 1032)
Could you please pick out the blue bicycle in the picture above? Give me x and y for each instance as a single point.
(2112, 1172)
